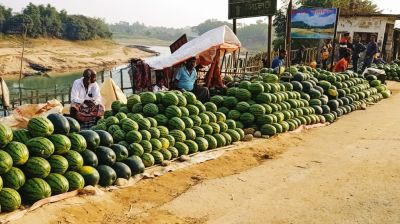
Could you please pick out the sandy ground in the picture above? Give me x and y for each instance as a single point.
(62, 56)
(348, 172)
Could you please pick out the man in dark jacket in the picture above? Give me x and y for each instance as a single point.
(372, 49)
(357, 48)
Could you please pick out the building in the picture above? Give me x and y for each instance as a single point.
(366, 25)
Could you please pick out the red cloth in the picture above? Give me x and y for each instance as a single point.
(141, 75)
(342, 65)
(213, 77)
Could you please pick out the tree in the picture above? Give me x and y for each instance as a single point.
(51, 22)
(209, 25)
(5, 14)
(362, 6)
(34, 13)
(279, 24)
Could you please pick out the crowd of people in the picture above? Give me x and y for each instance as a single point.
(349, 54)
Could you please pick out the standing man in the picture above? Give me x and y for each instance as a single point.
(186, 78)
(343, 45)
(86, 104)
(325, 52)
(357, 49)
(372, 49)
(280, 60)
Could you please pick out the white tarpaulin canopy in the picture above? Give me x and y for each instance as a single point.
(221, 37)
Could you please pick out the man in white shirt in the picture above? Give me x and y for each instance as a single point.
(86, 99)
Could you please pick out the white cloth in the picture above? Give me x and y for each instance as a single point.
(156, 88)
(79, 94)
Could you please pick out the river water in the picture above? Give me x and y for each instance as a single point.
(64, 81)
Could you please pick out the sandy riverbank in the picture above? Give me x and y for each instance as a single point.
(64, 56)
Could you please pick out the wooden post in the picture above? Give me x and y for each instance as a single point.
(269, 41)
(47, 96)
(62, 99)
(334, 39)
(288, 40)
(69, 94)
(237, 62)
(31, 101)
(132, 78)
(245, 62)
(110, 74)
(37, 96)
(234, 26)
(122, 80)
(22, 59)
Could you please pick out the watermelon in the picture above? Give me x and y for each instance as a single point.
(234, 115)
(190, 97)
(231, 124)
(268, 129)
(20, 135)
(6, 162)
(40, 146)
(61, 143)
(136, 149)
(119, 135)
(199, 132)
(14, 178)
(178, 135)
(120, 116)
(210, 106)
(75, 160)
(132, 100)
(147, 147)
(192, 145)
(122, 170)
(164, 143)
(148, 159)
(37, 167)
(78, 142)
(74, 125)
(243, 94)
(212, 142)
(92, 139)
(230, 102)
(38, 127)
(215, 128)
(174, 152)
(221, 141)
(135, 163)
(115, 106)
(58, 183)
(208, 129)
(58, 164)
(35, 189)
(89, 158)
(111, 121)
(148, 97)
(105, 155)
(158, 157)
(235, 136)
(150, 110)
(144, 124)
(173, 111)
(60, 123)
(137, 108)
(188, 122)
(257, 110)
(155, 144)
(155, 133)
(193, 110)
(223, 127)
(182, 148)
(202, 144)
(190, 134)
(182, 100)
(171, 140)
(196, 120)
(176, 123)
(241, 133)
(227, 137)
(163, 131)
(121, 152)
(90, 175)
(128, 124)
(133, 137)
(75, 180)
(170, 98)
(107, 175)
(10, 200)
(106, 138)
(153, 122)
(18, 152)
(167, 155)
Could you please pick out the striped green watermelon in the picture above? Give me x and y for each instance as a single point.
(128, 124)
(21, 135)
(192, 145)
(144, 124)
(163, 131)
(116, 105)
(58, 164)
(174, 152)
(75, 160)
(58, 183)
(199, 131)
(167, 155)
(208, 129)
(221, 117)
(113, 128)
(176, 123)
(161, 119)
(227, 137)
(75, 180)
(60, 123)
(185, 111)
(212, 142)
(10, 200)
(136, 149)
(111, 121)
(159, 96)
(234, 135)
(6, 162)
(120, 116)
(173, 111)
(137, 108)
(190, 134)
(158, 157)
(164, 143)
(132, 100)
(35, 189)
(121, 152)
(148, 159)
(210, 106)
(205, 119)
(202, 144)
(178, 135)
(217, 99)
(169, 99)
(40, 127)
(18, 152)
(211, 116)
(147, 147)
(74, 125)
(171, 140)
(193, 110)
(182, 148)
(182, 100)
(37, 167)
(61, 143)
(155, 133)
(90, 175)
(6, 135)
(14, 178)
(215, 128)
(156, 144)
(133, 137)
(78, 142)
(135, 116)
(40, 146)
(196, 120)
(119, 135)
(257, 110)
(150, 110)
(148, 97)
(153, 122)
(188, 122)
(221, 141)
(190, 97)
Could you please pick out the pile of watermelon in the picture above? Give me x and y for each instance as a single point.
(163, 126)
(392, 70)
(264, 104)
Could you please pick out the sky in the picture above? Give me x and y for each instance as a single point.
(168, 13)
(316, 19)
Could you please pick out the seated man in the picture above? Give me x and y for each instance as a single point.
(186, 77)
(160, 85)
(86, 104)
(280, 60)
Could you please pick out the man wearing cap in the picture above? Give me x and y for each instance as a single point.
(86, 104)
(186, 78)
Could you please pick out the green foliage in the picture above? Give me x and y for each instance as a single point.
(46, 21)
(209, 25)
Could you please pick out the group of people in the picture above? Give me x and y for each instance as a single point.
(86, 104)
(349, 53)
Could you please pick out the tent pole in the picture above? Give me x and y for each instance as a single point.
(269, 41)
(234, 26)
(334, 39)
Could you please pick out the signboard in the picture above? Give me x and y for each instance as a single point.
(251, 8)
(313, 23)
(178, 43)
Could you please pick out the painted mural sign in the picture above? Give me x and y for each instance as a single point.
(313, 23)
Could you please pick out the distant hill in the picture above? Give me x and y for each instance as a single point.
(303, 25)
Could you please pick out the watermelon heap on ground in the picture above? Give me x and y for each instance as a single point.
(266, 105)
(392, 70)
(335, 94)
(165, 125)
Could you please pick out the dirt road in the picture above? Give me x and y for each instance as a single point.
(348, 172)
